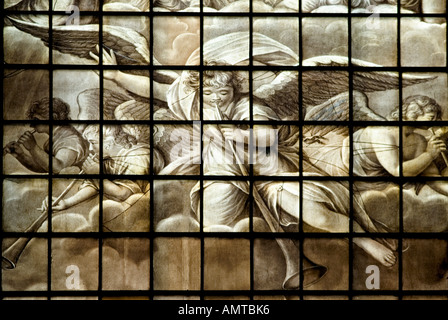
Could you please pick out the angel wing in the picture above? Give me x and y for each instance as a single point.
(134, 110)
(129, 46)
(89, 103)
(320, 87)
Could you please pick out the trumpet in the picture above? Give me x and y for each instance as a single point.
(11, 255)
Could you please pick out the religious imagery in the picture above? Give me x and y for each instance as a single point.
(189, 149)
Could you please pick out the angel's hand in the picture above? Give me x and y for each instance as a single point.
(62, 205)
(232, 133)
(91, 165)
(27, 140)
(14, 148)
(108, 59)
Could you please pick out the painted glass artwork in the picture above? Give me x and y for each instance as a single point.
(224, 149)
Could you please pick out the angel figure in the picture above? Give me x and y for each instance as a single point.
(121, 46)
(69, 147)
(223, 100)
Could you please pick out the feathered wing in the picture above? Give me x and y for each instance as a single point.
(130, 47)
(133, 110)
(325, 92)
(89, 103)
(320, 86)
(282, 94)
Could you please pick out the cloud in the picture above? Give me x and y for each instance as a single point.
(175, 38)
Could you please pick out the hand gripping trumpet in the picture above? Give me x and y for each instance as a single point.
(11, 255)
(5, 149)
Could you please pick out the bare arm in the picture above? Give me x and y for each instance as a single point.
(388, 153)
(116, 191)
(79, 197)
(15, 149)
(140, 85)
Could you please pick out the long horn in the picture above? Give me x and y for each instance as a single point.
(11, 255)
(312, 272)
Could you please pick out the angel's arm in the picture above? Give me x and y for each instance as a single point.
(62, 159)
(140, 85)
(389, 157)
(116, 191)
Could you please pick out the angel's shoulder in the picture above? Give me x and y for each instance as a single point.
(381, 132)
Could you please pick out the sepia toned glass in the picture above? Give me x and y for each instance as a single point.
(381, 201)
(374, 39)
(125, 264)
(175, 6)
(324, 36)
(15, 5)
(282, 29)
(172, 206)
(332, 268)
(82, 48)
(283, 100)
(326, 6)
(321, 89)
(18, 143)
(126, 205)
(129, 47)
(74, 264)
(178, 145)
(417, 50)
(430, 91)
(376, 8)
(433, 276)
(77, 88)
(369, 273)
(226, 264)
(34, 259)
(30, 28)
(326, 150)
(226, 40)
(176, 40)
(224, 150)
(414, 206)
(177, 264)
(69, 213)
(14, 191)
(376, 95)
(34, 81)
(223, 6)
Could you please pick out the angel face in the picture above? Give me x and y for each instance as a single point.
(416, 113)
(40, 128)
(218, 96)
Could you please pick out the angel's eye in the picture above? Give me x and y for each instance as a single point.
(207, 93)
(224, 93)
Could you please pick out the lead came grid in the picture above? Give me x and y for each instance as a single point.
(201, 247)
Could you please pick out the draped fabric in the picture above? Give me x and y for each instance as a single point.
(225, 201)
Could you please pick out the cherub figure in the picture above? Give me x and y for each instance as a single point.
(69, 148)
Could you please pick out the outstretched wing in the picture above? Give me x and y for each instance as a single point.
(321, 89)
(89, 103)
(320, 85)
(130, 47)
(282, 94)
(133, 110)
